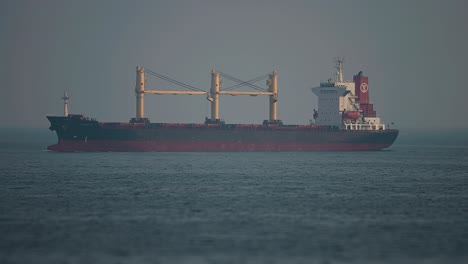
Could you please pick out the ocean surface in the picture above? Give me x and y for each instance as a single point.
(408, 204)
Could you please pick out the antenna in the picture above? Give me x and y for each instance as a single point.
(65, 99)
(339, 68)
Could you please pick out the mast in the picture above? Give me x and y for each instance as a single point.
(214, 94)
(140, 93)
(339, 69)
(65, 99)
(273, 88)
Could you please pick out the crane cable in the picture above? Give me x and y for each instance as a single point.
(173, 81)
(246, 82)
(242, 82)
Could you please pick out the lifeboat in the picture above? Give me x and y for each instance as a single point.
(351, 115)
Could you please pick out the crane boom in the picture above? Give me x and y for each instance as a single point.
(245, 93)
(212, 95)
(174, 92)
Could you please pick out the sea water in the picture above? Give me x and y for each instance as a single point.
(408, 204)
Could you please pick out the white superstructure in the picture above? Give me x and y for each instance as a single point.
(345, 103)
(328, 104)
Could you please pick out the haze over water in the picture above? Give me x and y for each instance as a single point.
(408, 204)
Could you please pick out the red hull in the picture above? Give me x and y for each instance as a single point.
(197, 146)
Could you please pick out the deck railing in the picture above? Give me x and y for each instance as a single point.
(364, 126)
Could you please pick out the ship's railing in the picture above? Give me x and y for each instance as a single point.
(327, 84)
(122, 124)
(202, 126)
(364, 126)
(240, 126)
(81, 117)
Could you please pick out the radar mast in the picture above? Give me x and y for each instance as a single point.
(339, 69)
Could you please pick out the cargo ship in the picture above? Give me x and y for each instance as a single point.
(345, 121)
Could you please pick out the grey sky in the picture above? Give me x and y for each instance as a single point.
(414, 53)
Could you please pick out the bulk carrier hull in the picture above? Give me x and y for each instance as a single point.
(78, 133)
(347, 122)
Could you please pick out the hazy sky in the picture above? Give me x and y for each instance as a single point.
(414, 52)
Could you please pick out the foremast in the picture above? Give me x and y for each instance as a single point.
(65, 99)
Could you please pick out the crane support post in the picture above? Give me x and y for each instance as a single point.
(214, 94)
(140, 93)
(273, 89)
